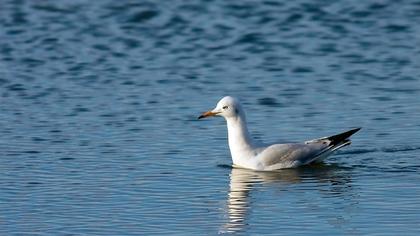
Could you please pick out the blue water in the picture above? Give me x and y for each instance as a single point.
(99, 100)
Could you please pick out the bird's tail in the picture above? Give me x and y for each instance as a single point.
(341, 140)
(335, 142)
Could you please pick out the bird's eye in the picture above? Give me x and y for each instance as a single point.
(225, 107)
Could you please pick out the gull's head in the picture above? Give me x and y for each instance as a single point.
(227, 107)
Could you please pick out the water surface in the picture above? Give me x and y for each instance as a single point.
(99, 99)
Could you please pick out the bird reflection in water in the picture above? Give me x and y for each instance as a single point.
(243, 181)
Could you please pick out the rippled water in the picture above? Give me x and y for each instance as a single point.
(99, 99)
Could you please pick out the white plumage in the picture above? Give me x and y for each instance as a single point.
(246, 153)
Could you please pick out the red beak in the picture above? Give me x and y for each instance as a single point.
(207, 114)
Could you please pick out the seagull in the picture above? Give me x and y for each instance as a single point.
(248, 154)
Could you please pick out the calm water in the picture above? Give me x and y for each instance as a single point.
(99, 99)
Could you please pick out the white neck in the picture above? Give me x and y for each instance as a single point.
(241, 144)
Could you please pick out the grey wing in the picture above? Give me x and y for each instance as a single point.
(292, 154)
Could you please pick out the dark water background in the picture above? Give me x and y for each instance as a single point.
(99, 99)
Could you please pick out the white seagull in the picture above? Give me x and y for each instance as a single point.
(246, 153)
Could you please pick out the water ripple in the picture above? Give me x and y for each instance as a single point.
(99, 99)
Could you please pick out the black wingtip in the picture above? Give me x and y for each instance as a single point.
(352, 131)
(335, 139)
